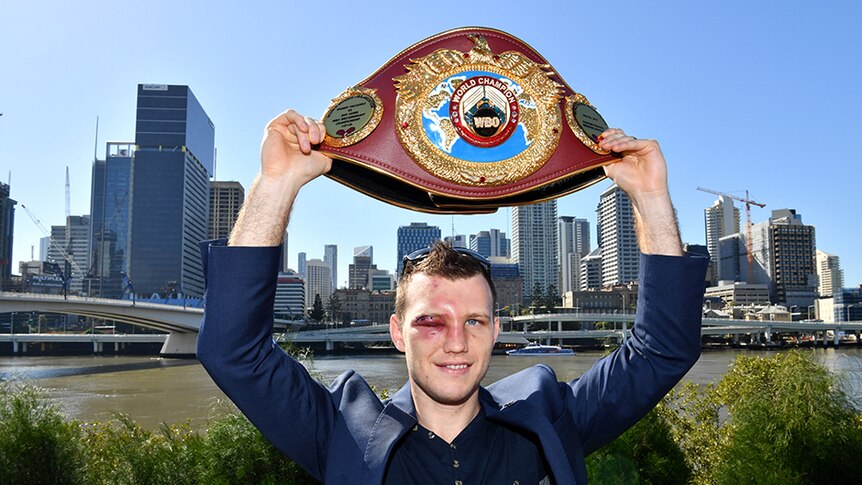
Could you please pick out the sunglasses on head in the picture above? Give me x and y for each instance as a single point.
(417, 256)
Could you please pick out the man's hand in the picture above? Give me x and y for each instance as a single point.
(287, 162)
(642, 174)
(286, 150)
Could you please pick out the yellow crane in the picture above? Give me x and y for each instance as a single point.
(748, 203)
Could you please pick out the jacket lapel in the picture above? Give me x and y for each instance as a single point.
(520, 414)
(398, 417)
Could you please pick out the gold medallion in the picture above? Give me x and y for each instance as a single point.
(586, 123)
(352, 116)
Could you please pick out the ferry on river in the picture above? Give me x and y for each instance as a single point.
(538, 350)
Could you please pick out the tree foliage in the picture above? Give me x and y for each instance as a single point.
(317, 312)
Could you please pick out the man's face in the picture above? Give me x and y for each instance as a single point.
(447, 333)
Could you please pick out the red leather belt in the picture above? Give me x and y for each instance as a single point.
(465, 121)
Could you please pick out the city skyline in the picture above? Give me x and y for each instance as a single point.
(723, 99)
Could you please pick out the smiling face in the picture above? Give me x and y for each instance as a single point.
(447, 332)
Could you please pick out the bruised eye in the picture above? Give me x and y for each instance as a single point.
(426, 320)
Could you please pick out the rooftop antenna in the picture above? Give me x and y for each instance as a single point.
(96, 142)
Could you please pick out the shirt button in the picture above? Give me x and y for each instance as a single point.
(430, 435)
(452, 445)
(455, 463)
(516, 482)
(457, 482)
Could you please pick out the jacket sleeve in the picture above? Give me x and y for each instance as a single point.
(235, 345)
(665, 343)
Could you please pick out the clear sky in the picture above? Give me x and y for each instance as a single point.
(757, 95)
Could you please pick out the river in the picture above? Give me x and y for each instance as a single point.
(153, 390)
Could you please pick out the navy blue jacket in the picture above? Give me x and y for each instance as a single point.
(345, 433)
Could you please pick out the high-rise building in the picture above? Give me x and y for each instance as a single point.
(289, 297)
(225, 201)
(720, 220)
(363, 263)
(110, 206)
(617, 237)
(330, 257)
(381, 280)
(457, 241)
(301, 264)
(829, 273)
(71, 244)
(172, 166)
(7, 227)
(509, 286)
(534, 246)
(282, 262)
(591, 271)
(417, 235)
(318, 281)
(573, 244)
(783, 258)
(491, 243)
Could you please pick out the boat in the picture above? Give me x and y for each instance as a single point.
(538, 350)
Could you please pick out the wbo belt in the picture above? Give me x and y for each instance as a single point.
(465, 121)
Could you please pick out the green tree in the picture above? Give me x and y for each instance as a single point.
(317, 312)
(537, 300)
(551, 299)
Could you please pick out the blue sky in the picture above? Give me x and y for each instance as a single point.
(757, 95)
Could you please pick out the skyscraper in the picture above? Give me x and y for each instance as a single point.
(591, 271)
(363, 263)
(534, 246)
(170, 190)
(330, 257)
(783, 257)
(617, 238)
(318, 281)
(7, 226)
(110, 206)
(720, 220)
(417, 235)
(71, 243)
(225, 201)
(301, 264)
(573, 244)
(829, 273)
(490, 243)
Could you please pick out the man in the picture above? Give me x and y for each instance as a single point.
(442, 426)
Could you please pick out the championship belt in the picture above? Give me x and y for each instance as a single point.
(466, 121)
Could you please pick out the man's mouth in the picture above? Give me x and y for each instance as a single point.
(456, 366)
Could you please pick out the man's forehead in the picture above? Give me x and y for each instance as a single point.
(422, 286)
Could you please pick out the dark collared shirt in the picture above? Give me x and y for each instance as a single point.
(484, 452)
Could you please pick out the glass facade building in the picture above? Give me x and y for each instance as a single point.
(7, 224)
(110, 203)
(170, 177)
(417, 235)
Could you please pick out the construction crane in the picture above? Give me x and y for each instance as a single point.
(748, 203)
(56, 244)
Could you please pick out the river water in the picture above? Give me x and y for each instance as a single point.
(153, 390)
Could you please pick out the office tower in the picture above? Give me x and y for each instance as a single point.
(573, 244)
(381, 280)
(44, 242)
(417, 235)
(110, 205)
(301, 264)
(363, 263)
(829, 273)
(617, 238)
(457, 241)
(330, 257)
(7, 228)
(509, 286)
(170, 190)
(289, 296)
(720, 220)
(318, 281)
(282, 262)
(591, 271)
(534, 246)
(70, 249)
(491, 243)
(783, 257)
(226, 199)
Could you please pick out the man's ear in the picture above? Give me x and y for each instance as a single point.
(496, 328)
(395, 332)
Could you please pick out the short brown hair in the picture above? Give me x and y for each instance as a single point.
(441, 260)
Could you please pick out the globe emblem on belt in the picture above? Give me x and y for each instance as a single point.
(484, 111)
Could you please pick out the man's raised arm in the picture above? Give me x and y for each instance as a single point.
(642, 174)
(287, 162)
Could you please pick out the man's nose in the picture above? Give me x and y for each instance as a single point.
(456, 339)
